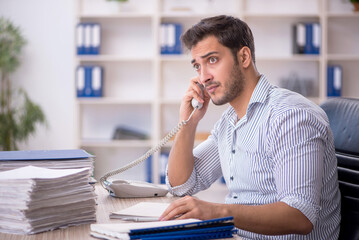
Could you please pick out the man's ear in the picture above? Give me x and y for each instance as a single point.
(244, 56)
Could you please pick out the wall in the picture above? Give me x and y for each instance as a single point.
(46, 70)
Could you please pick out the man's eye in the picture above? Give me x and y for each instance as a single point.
(196, 67)
(212, 59)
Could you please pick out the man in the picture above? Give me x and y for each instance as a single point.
(274, 148)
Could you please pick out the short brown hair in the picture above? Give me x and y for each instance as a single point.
(231, 32)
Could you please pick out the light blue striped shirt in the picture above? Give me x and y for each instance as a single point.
(281, 150)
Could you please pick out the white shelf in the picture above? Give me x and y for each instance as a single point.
(112, 58)
(176, 58)
(343, 15)
(98, 143)
(343, 57)
(124, 15)
(189, 14)
(111, 101)
(144, 89)
(292, 58)
(280, 15)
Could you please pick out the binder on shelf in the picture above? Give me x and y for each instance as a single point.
(312, 39)
(299, 38)
(89, 81)
(175, 229)
(306, 38)
(163, 39)
(88, 38)
(170, 42)
(80, 39)
(95, 39)
(334, 80)
(149, 169)
(316, 40)
(96, 81)
(163, 161)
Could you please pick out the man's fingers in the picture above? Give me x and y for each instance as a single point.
(176, 209)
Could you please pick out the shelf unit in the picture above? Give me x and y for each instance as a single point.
(143, 89)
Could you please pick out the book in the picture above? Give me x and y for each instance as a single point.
(175, 229)
(145, 211)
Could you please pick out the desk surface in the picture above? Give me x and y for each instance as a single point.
(106, 204)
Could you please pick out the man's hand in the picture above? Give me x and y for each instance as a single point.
(194, 91)
(190, 207)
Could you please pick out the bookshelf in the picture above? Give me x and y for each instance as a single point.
(143, 89)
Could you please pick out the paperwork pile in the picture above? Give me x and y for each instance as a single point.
(34, 199)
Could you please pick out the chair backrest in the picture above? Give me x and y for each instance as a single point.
(343, 117)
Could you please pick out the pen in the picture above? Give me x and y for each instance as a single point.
(140, 219)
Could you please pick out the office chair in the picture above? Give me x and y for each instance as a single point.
(343, 117)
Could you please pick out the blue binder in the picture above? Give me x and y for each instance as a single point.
(80, 81)
(170, 42)
(163, 161)
(95, 39)
(149, 169)
(89, 81)
(88, 38)
(316, 38)
(207, 229)
(96, 81)
(163, 37)
(334, 81)
(80, 39)
(312, 40)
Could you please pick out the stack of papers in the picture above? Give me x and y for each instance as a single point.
(34, 199)
(54, 159)
(175, 230)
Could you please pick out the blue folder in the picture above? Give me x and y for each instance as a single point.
(207, 229)
(44, 155)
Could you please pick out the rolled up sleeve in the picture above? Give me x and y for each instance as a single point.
(298, 154)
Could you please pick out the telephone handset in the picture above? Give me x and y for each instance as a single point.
(194, 102)
(133, 189)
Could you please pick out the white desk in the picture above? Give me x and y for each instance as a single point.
(106, 204)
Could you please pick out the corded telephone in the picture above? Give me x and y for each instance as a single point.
(126, 189)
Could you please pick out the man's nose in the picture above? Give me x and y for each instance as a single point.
(205, 75)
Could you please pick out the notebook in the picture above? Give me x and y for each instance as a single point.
(143, 211)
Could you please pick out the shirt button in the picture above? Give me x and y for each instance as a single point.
(231, 178)
(233, 151)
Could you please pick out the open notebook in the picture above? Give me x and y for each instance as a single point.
(141, 212)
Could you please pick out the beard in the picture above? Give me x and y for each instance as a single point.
(232, 88)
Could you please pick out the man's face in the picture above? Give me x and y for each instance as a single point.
(217, 70)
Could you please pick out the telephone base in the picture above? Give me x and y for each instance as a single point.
(134, 189)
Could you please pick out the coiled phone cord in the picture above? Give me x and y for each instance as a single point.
(139, 160)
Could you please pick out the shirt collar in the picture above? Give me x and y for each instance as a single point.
(259, 95)
(260, 92)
